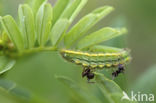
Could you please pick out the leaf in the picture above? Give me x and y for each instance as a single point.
(59, 7)
(35, 4)
(20, 94)
(111, 91)
(99, 36)
(6, 64)
(26, 18)
(58, 31)
(78, 93)
(146, 80)
(72, 10)
(13, 32)
(85, 24)
(101, 48)
(43, 23)
(12, 88)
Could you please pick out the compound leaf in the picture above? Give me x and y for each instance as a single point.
(99, 36)
(58, 30)
(26, 18)
(43, 23)
(85, 24)
(35, 4)
(13, 32)
(104, 49)
(59, 7)
(72, 10)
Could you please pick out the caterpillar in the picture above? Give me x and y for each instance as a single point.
(97, 60)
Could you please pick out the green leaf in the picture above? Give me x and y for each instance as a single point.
(80, 95)
(59, 7)
(19, 94)
(12, 88)
(72, 11)
(77, 93)
(26, 18)
(13, 32)
(85, 24)
(99, 36)
(6, 64)
(43, 23)
(58, 31)
(111, 91)
(104, 49)
(35, 4)
(146, 80)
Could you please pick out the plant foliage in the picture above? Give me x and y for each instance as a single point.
(44, 28)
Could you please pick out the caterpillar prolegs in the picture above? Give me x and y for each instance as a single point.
(91, 61)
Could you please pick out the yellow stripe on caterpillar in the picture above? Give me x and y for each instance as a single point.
(96, 60)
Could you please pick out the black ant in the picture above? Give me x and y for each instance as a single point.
(88, 73)
(121, 69)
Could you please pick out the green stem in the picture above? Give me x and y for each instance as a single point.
(33, 50)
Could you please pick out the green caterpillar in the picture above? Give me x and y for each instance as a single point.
(97, 60)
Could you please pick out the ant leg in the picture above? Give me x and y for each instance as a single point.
(88, 81)
(117, 72)
(85, 71)
(114, 74)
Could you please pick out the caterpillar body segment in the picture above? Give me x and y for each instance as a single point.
(91, 61)
(96, 60)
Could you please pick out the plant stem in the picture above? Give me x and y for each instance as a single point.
(30, 51)
(34, 50)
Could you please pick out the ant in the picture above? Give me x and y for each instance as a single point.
(121, 69)
(88, 73)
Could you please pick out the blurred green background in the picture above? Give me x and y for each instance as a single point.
(37, 72)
